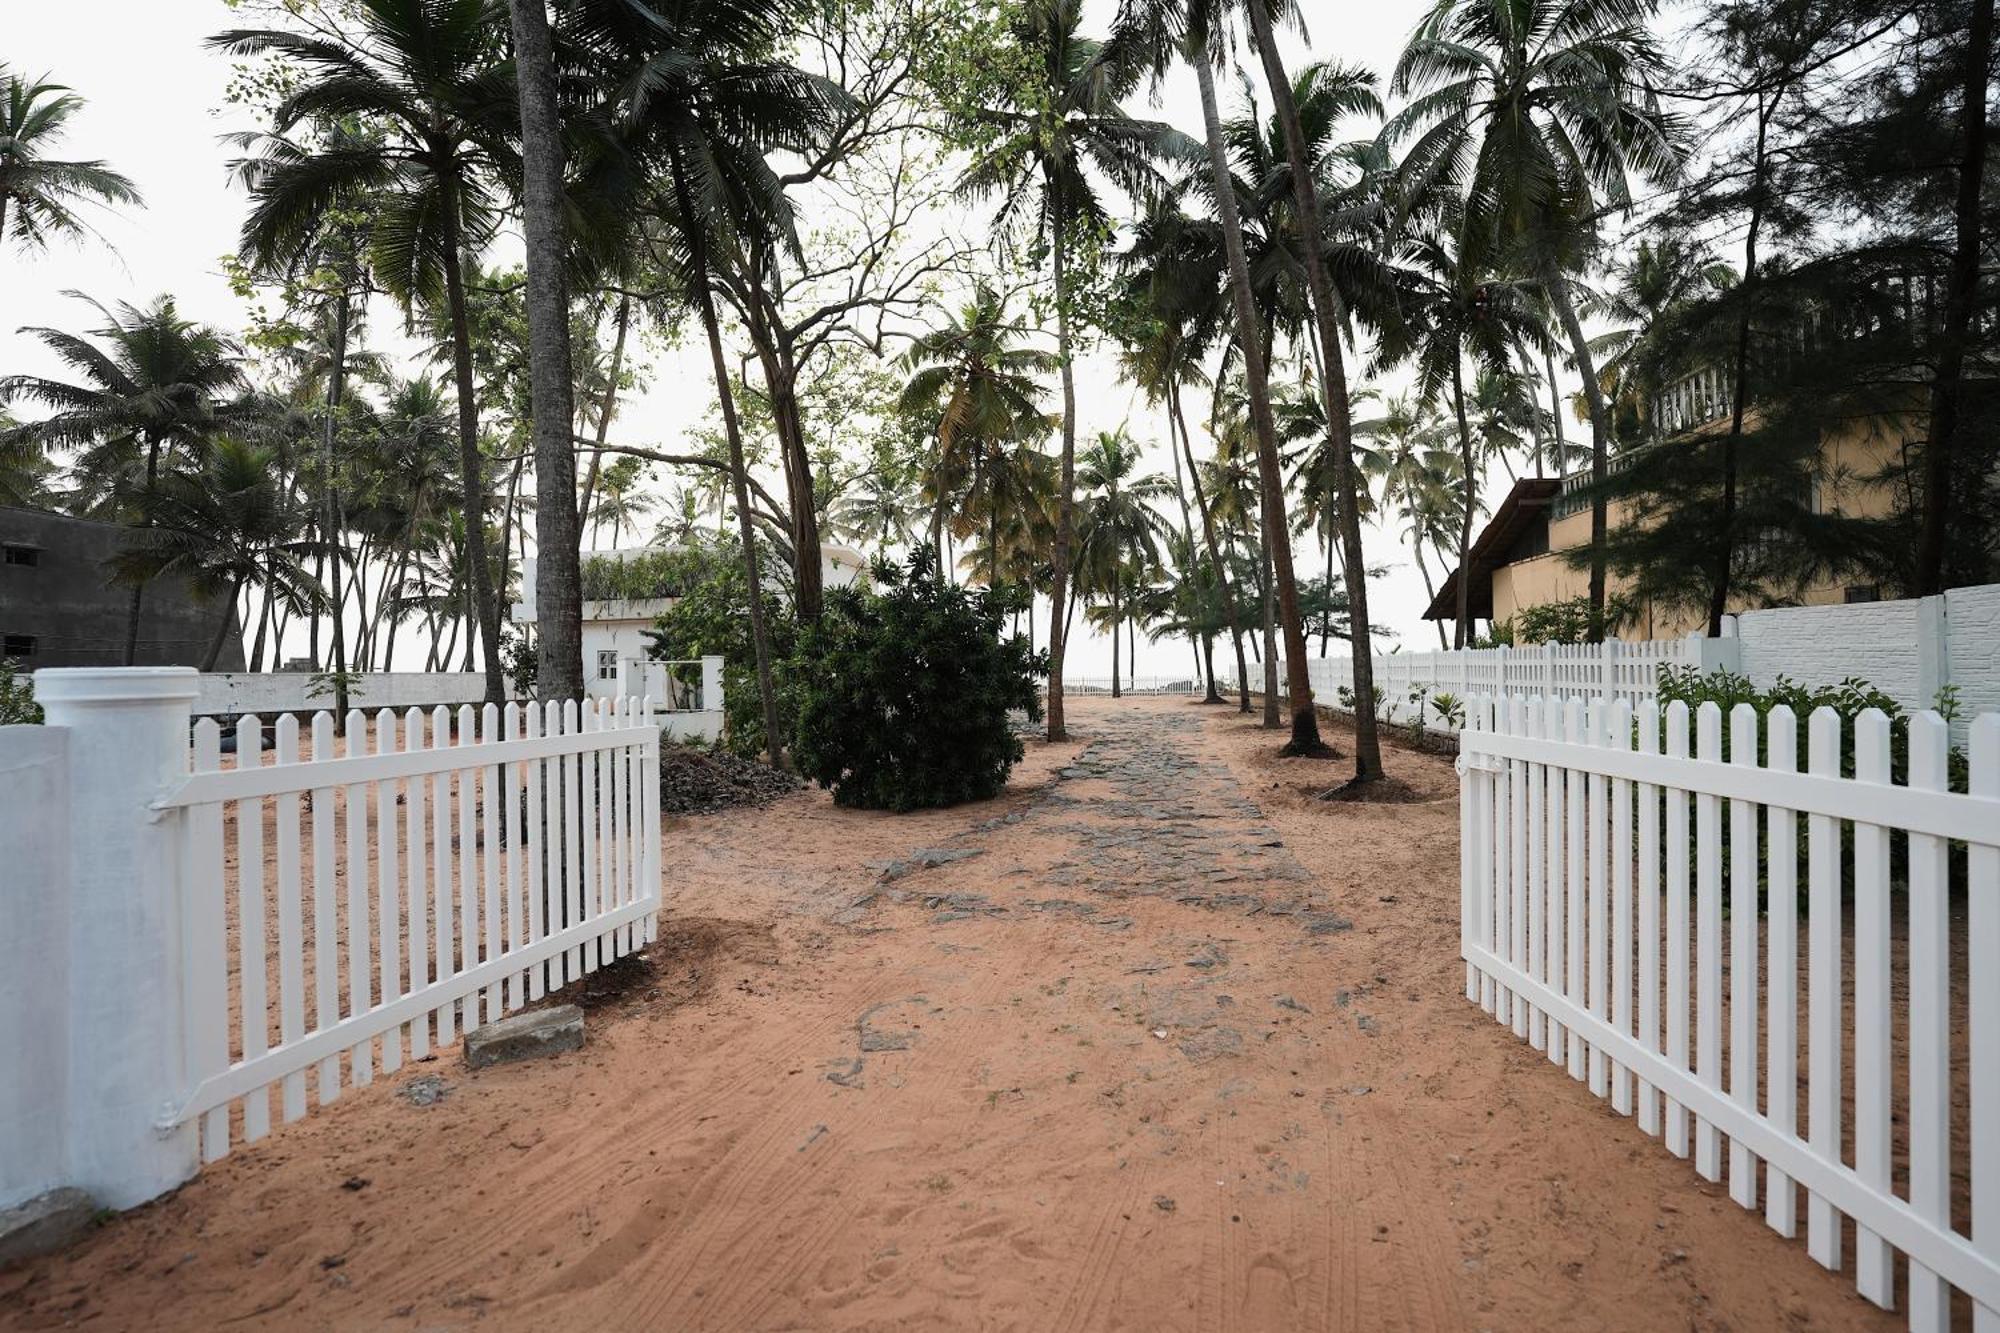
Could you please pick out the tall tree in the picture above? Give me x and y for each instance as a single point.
(1119, 531)
(1537, 114)
(425, 78)
(558, 539)
(39, 194)
(1063, 129)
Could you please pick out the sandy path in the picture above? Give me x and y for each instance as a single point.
(1175, 1047)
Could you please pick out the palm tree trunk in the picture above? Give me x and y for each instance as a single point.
(558, 572)
(1178, 419)
(336, 387)
(263, 627)
(1333, 386)
(739, 470)
(1960, 300)
(1272, 718)
(1430, 591)
(1326, 611)
(1065, 497)
(1600, 435)
(1462, 634)
(609, 403)
(471, 465)
(1305, 723)
(1115, 581)
(1555, 416)
(221, 636)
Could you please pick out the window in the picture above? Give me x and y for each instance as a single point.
(17, 645)
(20, 555)
(1864, 592)
(607, 664)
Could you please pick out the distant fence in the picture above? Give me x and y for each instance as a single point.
(1157, 685)
(236, 927)
(1611, 876)
(1910, 650)
(239, 693)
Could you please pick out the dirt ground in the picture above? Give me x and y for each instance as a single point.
(1154, 1041)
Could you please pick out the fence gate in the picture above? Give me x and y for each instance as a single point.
(202, 939)
(1686, 923)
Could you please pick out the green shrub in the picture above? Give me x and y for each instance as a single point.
(901, 694)
(1559, 622)
(17, 696)
(664, 572)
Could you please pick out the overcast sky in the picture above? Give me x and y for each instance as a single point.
(157, 110)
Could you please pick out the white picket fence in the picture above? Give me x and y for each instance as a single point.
(1609, 894)
(1405, 682)
(200, 945)
(418, 885)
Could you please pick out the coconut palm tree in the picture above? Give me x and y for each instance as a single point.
(1118, 530)
(1538, 114)
(1456, 314)
(426, 77)
(974, 385)
(1421, 478)
(223, 526)
(1047, 155)
(702, 106)
(39, 195)
(152, 392)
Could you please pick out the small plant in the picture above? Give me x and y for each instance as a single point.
(17, 696)
(322, 684)
(901, 694)
(1450, 709)
(1420, 697)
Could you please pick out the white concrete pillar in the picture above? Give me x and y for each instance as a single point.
(1933, 651)
(34, 960)
(128, 743)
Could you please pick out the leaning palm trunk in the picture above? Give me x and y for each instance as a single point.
(739, 470)
(1600, 435)
(1333, 387)
(1462, 632)
(336, 387)
(608, 404)
(1065, 498)
(471, 464)
(1305, 723)
(558, 581)
(1214, 556)
(135, 604)
(1272, 718)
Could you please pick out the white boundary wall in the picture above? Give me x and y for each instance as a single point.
(234, 693)
(1622, 875)
(1907, 649)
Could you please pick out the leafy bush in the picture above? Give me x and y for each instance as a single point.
(17, 696)
(902, 694)
(1559, 622)
(712, 619)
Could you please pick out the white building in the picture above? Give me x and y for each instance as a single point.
(615, 643)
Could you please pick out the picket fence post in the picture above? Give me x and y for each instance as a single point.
(128, 730)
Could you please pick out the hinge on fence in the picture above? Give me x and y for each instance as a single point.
(1474, 761)
(172, 1116)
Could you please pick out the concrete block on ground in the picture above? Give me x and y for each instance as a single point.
(525, 1037)
(44, 1224)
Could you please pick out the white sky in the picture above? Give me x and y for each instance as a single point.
(156, 111)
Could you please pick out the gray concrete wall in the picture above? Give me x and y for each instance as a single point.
(67, 602)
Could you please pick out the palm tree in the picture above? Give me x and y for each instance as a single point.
(975, 387)
(1455, 314)
(42, 193)
(426, 78)
(24, 471)
(1193, 29)
(153, 391)
(223, 527)
(1118, 532)
(1421, 478)
(1174, 288)
(875, 509)
(1328, 312)
(702, 106)
(1045, 150)
(1537, 113)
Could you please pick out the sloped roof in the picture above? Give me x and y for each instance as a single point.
(1526, 504)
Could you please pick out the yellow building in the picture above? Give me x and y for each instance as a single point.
(1519, 559)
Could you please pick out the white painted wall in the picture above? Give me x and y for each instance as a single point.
(1894, 646)
(34, 959)
(232, 693)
